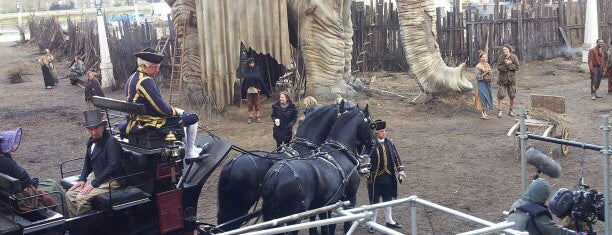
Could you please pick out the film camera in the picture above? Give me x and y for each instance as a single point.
(585, 205)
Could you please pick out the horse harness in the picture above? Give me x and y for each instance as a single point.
(331, 160)
(292, 153)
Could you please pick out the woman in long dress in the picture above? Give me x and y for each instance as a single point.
(484, 78)
(46, 65)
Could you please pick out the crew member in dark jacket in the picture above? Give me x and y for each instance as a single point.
(533, 204)
(284, 115)
(8, 166)
(92, 88)
(252, 86)
(102, 158)
(386, 170)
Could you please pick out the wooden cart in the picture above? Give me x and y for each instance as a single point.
(552, 107)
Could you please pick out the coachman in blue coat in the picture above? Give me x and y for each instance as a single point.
(141, 88)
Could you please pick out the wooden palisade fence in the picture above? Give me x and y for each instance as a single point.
(536, 30)
(81, 38)
(376, 40)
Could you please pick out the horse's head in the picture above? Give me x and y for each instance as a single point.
(345, 105)
(318, 123)
(365, 134)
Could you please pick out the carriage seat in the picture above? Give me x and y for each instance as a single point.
(147, 138)
(117, 199)
(67, 182)
(120, 198)
(9, 185)
(137, 160)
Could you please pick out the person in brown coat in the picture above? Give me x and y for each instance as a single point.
(92, 88)
(507, 64)
(596, 67)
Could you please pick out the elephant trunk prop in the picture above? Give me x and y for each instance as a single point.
(322, 31)
(324, 35)
(417, 24)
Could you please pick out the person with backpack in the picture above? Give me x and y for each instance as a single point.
(530, 213)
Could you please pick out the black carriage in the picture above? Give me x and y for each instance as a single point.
(162, 189)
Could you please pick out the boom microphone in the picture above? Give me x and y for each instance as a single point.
(542, 162)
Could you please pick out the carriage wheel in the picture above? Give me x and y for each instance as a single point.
(565, 136)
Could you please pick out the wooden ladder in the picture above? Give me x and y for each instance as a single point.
(162, 44)
(176, 82)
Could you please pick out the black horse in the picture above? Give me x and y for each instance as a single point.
(295, 185)
(240, 180)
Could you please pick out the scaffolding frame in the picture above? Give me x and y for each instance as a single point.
(523, 136)
(362, 216)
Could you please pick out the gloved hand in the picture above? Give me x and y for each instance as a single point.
(179, 111)
(401, 176)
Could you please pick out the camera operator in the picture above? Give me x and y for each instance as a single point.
(530, 213)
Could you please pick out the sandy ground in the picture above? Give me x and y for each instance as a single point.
(453, 158)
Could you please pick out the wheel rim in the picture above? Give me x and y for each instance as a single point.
(565, 136)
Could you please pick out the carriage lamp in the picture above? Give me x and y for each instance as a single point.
(172, 153)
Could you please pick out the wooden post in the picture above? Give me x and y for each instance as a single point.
(468, 29)
(519, 40)
(494, 25)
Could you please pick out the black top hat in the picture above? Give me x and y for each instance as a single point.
(380, 124)
(93, 118)
(150, 55)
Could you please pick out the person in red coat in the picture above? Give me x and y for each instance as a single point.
(596, 66)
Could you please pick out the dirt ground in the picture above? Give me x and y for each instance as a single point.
(453, 158)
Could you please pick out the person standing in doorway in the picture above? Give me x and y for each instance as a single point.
(284, 115)
(252, 86)
(596, 66)
(386, 170)
(507, 64)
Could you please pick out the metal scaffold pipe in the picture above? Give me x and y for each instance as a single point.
(606, 154)
(522, 141)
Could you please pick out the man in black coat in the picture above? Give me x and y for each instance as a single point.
(101, 158)
(385, 172)
(252, 86)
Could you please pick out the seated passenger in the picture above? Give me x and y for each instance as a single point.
(141, 88)
(101, 158)
(10, 141)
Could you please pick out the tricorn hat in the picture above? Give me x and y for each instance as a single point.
(379, 125)
(93, 118)
(150, 55)
(10, 140)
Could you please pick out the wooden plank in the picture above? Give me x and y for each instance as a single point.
(549, 102)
